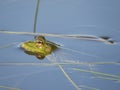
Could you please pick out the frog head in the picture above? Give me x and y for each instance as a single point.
(40, 47)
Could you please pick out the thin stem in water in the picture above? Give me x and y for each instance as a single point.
(36, 15)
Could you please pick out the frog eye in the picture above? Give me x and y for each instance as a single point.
(40, 42)
(39, 37)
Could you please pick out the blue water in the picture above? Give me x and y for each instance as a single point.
(91, 17)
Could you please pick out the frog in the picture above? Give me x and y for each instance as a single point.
(39, 47)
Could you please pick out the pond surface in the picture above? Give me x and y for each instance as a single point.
(78, 64)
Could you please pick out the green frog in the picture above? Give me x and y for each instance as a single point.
(40, 47)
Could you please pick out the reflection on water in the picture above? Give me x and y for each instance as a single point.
(80, 64)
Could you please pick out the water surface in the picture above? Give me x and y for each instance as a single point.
(96, 65)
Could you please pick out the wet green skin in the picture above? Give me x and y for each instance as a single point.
(40, 47)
